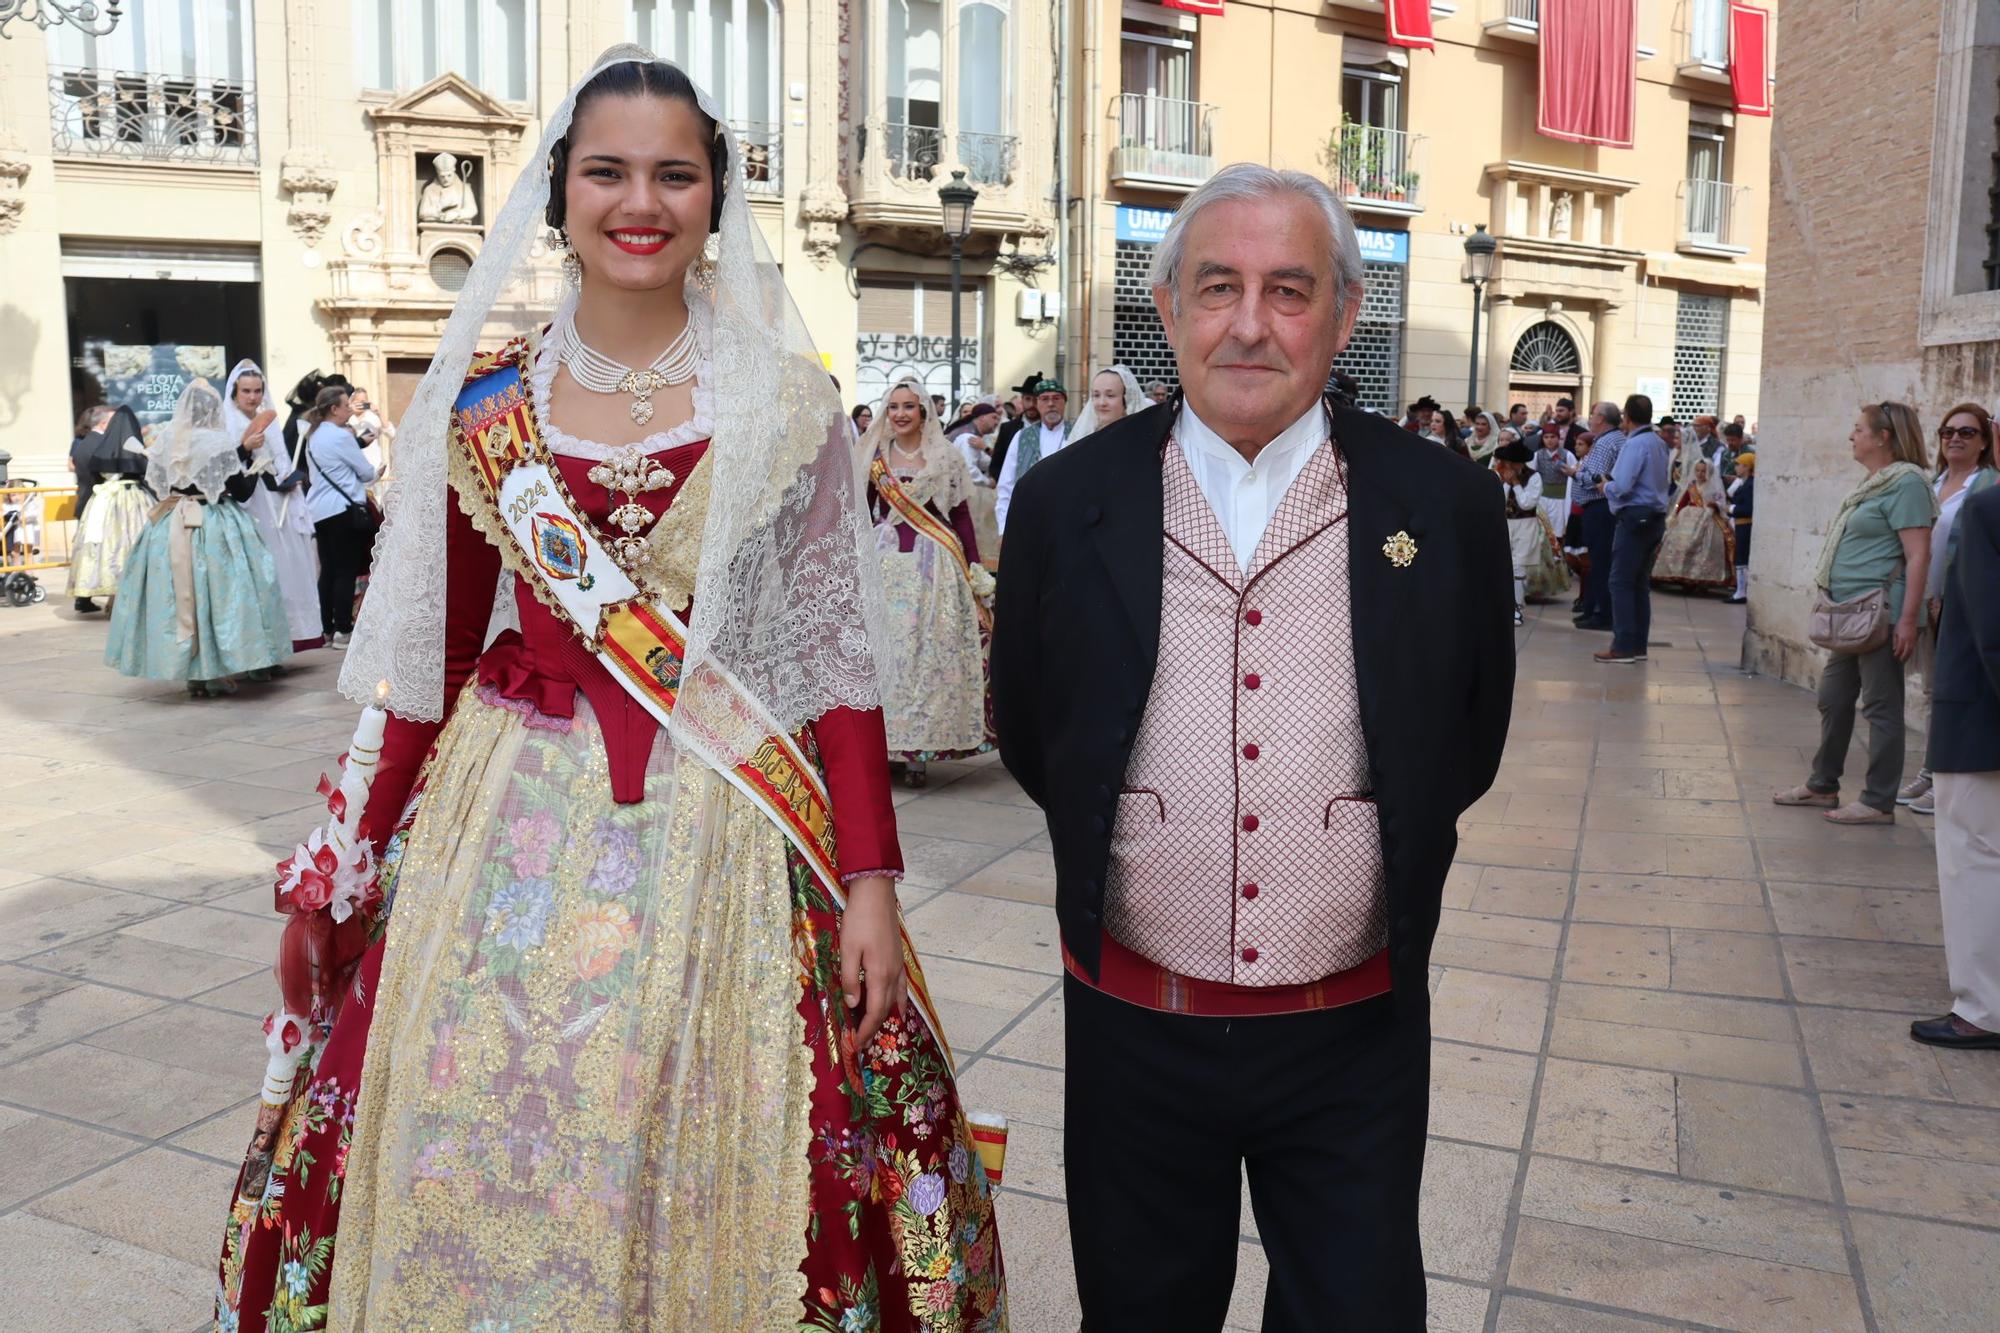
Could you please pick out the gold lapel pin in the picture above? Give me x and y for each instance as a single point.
(1400, 549)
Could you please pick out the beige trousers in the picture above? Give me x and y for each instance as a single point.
(1968, 852)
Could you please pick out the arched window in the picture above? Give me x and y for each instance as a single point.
(1547, 349)
(730, 48)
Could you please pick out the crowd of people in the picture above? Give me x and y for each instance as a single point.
(222, 542)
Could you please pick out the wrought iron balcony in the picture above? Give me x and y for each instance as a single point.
(1377, 169)
(152, 117)
(1164, 143)
(989, 159)
(908, 152)
(1712, 218)
(763, 145)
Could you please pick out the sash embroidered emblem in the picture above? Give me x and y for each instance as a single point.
(558, 546)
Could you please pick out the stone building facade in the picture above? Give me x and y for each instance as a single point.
(1884, 266)
(238, 179)
(1619, 270)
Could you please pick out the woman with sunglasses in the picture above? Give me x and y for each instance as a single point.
(1965, 465)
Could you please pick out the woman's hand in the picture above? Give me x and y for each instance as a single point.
(871, 955)
(1903, 641)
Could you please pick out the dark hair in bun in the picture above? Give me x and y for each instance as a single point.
(629, 78)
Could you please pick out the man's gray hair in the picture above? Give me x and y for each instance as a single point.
(1610, 411)
(1244, 182)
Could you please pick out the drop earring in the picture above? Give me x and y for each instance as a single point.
(572, 267)
(704, 267)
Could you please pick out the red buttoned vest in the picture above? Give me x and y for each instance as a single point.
(1246, 848)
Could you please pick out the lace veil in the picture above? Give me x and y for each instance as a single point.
(194, 451)
(1136, 401)
(943, 479)
(788, 599)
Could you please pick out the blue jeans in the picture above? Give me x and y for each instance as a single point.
(1633, 550)
(1595, 520)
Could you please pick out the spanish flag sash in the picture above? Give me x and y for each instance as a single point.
(641, 643)
(927, 524)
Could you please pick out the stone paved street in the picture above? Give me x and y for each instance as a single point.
(1671, 1085)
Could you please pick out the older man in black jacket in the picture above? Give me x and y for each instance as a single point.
(1253, 657)
(1965, 761)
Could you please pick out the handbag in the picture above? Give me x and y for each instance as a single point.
(359, 518)
(1858, 625)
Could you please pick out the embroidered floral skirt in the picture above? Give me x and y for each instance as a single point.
(105, 535)
(935, 699)
(1697, 551)
(611, 1085)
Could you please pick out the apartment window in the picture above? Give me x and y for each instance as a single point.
(1156, 62)
(1701, 335)
(1372, 95)
(1708, 32)
(405, 44)
(171, 82)
(728, 47)
(1708, 193)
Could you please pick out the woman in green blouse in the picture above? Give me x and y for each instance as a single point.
(1879, 539)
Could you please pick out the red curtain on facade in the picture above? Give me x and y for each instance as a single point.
(1749, 59)
(1212, 8)
(1410, 23)
(1590, 73)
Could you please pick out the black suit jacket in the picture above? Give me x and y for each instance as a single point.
(1965, 688)
(1077, 638)
(1003, 440)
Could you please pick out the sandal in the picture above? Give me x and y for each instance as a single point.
(1806, 796)
(1857, 813)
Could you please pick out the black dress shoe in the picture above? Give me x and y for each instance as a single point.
(1945, 1032)
(1587, 623)
(84, 606)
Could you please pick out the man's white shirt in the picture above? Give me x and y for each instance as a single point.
(1244, 495)
(1052, 443)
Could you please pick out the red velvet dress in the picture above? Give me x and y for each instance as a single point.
(901, 1234)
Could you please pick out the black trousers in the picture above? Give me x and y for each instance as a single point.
(1164, 1113)
(1598, 531)
(343, 555)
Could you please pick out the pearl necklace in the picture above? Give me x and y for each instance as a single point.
(600, 374)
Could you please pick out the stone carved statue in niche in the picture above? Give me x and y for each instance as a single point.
(448, 196)
(1559, 222)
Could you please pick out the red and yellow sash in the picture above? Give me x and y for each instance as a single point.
(643, 644)
(928, 524)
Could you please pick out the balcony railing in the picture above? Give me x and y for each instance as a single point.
(1163, 142)
(1711, 216)
(1377, 167)
(153, 117)
(1518, 19)
(911, 152)
(1527, 12)
(763, 146)
(989, 159)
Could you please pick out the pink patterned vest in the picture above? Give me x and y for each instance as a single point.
(1246, 848)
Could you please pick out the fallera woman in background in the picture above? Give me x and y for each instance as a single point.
(1114, 395)
(279, 502)
(1880, 538)
(934, 657)
(199, 598)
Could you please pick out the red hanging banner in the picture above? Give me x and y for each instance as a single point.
(1212, 8)
(1589, 71)
(1410, 24)
(1750, 59)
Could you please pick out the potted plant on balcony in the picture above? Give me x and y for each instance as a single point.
(1353, 155)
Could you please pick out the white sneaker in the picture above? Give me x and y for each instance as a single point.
(339, 640)
(1925, 804)
(1913, 790)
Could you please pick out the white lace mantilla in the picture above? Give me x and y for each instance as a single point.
(542, 379)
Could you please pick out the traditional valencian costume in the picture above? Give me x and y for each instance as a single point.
(279, 507)
(198, 600)
(934, 659)
(600, 1075)
(112, 505)
(1699, 548)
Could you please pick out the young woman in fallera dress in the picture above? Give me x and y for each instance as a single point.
(633, 1051)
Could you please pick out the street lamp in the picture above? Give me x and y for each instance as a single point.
(1479, 248)
(87, 15)
(955, 197)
